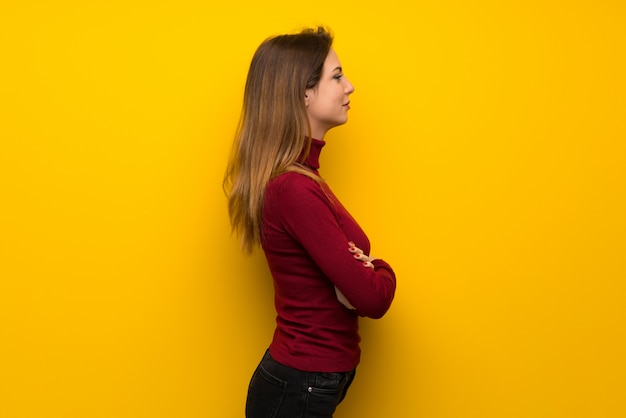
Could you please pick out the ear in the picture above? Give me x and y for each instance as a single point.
(307, 97)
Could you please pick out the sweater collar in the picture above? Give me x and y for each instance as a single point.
(313, 160)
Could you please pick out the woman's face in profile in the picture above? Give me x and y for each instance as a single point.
(328, 103)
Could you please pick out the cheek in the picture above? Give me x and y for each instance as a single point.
(332, 99)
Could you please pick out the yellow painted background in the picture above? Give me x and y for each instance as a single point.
(485, 157)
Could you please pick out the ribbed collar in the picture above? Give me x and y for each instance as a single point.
(313, 160)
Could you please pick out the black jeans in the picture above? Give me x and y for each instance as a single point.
(278, 391)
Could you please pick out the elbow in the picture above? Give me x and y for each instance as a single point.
(376, 309)
(376, 300)
(376, 312)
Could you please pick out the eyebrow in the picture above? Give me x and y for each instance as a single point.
(338, 68)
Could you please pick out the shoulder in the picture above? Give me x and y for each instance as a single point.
(292, 182)
(294, 188)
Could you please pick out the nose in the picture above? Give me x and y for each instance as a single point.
(349, 88)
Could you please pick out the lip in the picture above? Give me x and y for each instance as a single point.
(347, 105)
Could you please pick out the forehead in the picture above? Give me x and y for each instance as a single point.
(332, 61)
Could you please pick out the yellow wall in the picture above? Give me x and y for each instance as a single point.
(485, 156)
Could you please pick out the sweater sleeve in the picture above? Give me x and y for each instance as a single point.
(309, 216)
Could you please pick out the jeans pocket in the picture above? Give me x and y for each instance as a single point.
(265, 394)
(326, 391)
(328, 383)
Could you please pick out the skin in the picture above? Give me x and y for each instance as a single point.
(367, 263)
(327, 104)
(359, 255)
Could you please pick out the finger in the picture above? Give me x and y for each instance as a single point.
(356, 250)
(368, 264)
(362, 257)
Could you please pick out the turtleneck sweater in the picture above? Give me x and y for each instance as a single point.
(305, 236)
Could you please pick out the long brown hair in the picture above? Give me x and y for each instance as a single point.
(274, 133)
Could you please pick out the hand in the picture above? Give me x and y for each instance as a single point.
(367, 263)
(344, 301)
(360, 256)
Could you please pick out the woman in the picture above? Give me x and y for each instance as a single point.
(324, 278)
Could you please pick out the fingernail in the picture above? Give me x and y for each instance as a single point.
(351, 244)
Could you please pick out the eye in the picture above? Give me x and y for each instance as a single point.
(338, 76)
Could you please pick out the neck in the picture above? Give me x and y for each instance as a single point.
(318, 133)
(312, 159)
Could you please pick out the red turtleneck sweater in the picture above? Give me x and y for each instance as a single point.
(305, 237)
